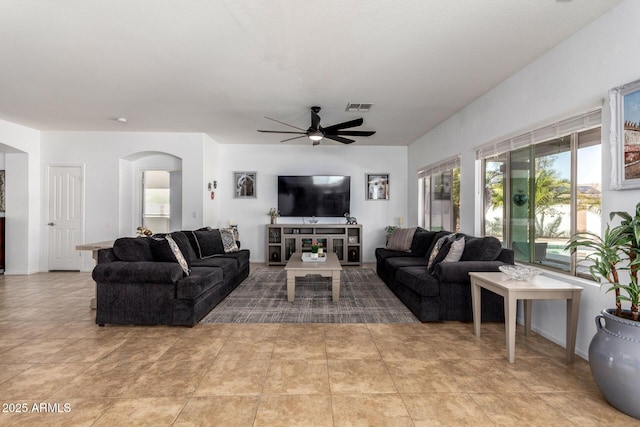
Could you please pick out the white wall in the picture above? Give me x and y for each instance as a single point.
(21, 148)
(573, 77)
(304, 159)
(107, 176)
(211, 165)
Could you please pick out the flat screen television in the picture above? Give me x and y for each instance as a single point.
(318, 195)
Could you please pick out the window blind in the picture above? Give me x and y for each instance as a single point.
(559, 129)
(442, 166)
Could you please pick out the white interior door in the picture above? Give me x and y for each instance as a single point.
(65, 217)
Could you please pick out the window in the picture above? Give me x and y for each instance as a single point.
(439, 200)
(537, 196)
(156, 201)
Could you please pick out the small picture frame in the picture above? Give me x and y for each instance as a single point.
(246, 184)
(624, 102)
(376, 186)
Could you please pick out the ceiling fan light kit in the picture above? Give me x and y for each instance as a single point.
(316, 132)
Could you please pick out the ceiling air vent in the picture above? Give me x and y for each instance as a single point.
(354, 108)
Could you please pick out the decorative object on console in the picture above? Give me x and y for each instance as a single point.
(377, 186)
(351, 220)
(245, 185)
(274, 214)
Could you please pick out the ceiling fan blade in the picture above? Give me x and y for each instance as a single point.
(354, 132)
(349, 124)
(340, 139)
(286, 124)
(280, 131)
(315, 118)
(295, 137)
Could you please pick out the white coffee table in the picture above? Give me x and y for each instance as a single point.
(297, 268)
(538, 287)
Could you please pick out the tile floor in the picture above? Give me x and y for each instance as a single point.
(62, 369)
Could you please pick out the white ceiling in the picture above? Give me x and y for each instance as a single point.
(220, 66)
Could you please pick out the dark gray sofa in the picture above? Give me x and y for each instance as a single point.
(445, 292)
(140, 281)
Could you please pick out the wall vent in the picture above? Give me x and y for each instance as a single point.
(358, 107)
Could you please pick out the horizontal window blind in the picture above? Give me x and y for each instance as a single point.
(442, 166)
(559, 129)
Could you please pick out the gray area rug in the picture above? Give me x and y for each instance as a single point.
(262, 298)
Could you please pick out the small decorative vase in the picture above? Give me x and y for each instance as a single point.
(274, 220)
(614, 357)
(314, 255)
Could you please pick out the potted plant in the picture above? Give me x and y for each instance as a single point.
(314, 248)
(274, 214)
(614, 352)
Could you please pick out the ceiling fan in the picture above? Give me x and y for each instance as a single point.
(316, 132)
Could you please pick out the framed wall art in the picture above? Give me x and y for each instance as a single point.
(377, 186)
(246, 185)
(624, 102)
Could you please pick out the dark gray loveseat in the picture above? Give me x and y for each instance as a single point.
(444, 293)
(140, 280)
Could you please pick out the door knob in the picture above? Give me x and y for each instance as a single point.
(51, 224)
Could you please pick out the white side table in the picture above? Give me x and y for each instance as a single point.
(538, 287)
(94, 248)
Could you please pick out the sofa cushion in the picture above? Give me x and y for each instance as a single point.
(185, 246)
(418, 280)
(165, 249)
(228, 265)
(422, 240)
(393, 264)
(200, 280)
(208, 243)
(241, 259)
(137, 272)
(132, 249)
(401, 239)
(481, 248)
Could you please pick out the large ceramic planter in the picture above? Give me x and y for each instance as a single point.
(614, 357)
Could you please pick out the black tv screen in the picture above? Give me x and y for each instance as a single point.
(318, 195)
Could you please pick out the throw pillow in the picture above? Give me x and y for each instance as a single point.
(165, 249)
(436, 248)
(228, 240)
(401, 239)
(178, 254)
(485, 248)
(208, 242)
(455, 251)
